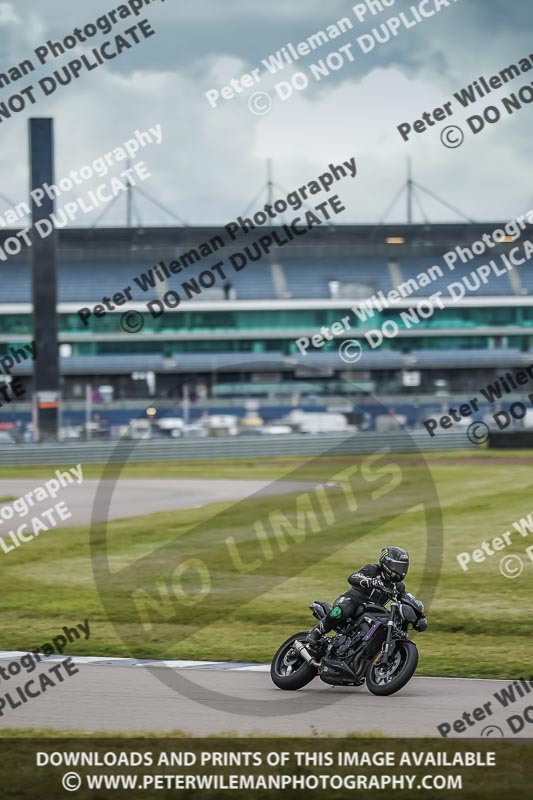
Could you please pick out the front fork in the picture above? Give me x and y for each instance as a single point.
(388, 645)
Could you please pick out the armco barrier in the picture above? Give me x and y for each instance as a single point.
(231, 447)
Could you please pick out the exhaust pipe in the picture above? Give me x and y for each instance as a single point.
(306, 655)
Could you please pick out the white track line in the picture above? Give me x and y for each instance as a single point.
(228, 666)
(114, 661)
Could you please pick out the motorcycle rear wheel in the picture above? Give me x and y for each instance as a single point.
(404, 662)
(289, 670)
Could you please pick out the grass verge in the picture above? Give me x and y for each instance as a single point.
(479, 620)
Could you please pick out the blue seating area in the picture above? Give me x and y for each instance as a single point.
(494, 287)
(526, 277)
(86, 282)
(80, 283)
(310, 279)
(254, 282)
(15, 286)
(77, 283)
(89, 282)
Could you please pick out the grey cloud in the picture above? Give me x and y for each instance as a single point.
(212, 161)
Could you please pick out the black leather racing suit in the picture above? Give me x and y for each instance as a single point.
(368, 586)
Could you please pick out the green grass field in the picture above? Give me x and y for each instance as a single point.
(258, 595)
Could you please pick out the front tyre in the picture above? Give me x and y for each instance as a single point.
(401, 668)
(288, 669)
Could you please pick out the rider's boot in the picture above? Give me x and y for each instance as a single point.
(313, 637)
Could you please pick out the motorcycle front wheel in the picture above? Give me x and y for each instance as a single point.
(387, 680)
(288, 669)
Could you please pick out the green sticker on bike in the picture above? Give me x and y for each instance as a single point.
(336, 612)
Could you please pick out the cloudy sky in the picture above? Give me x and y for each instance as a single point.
(212, 161)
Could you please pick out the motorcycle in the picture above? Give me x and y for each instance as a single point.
(371, 647)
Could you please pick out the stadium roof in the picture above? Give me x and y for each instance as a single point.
(424, 238)
(277, 362)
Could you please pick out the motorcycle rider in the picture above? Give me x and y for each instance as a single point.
(373, 583)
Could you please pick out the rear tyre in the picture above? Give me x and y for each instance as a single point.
(385, 681)
(289, 670)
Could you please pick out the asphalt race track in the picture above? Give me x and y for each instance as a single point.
(135, 497)
(107, 696)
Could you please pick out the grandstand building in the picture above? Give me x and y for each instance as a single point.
(239, 337)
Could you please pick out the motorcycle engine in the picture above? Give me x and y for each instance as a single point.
(343, 644)
(337, 665)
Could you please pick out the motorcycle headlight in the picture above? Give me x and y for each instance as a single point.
(408, 613)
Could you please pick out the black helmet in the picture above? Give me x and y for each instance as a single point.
(394, 563)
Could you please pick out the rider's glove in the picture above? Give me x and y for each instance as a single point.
(377, 583)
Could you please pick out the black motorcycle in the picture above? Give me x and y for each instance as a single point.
(373, 646)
